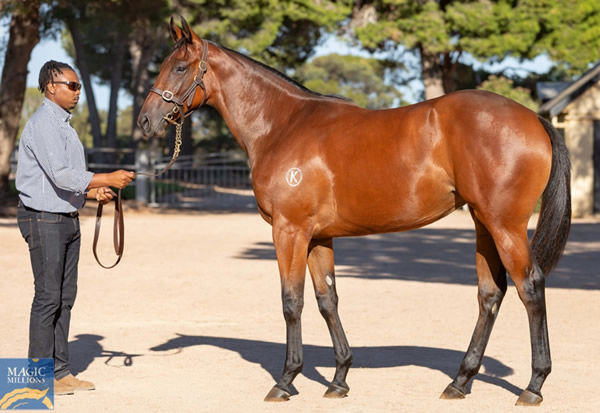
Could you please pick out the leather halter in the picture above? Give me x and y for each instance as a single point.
(189, 94)
(168, 96)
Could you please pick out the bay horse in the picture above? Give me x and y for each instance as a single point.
(323, 167)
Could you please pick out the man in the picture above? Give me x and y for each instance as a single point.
(53, 182)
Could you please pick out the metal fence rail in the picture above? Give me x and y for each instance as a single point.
(197, 182)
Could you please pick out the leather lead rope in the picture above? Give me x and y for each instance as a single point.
(118, 232)
(119, 225)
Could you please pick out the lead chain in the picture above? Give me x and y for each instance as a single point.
(178, 128)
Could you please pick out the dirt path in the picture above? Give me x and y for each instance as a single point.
(191, 320)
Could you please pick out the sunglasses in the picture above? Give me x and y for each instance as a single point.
(74, 86)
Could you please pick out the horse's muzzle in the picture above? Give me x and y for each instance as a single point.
(151, 126)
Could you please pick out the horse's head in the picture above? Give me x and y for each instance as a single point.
(179, 88)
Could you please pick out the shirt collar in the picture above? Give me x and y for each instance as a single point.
(59, 112)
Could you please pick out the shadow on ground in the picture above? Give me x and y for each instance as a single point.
(87, 348)
(210, 198)
(447, 256)
(270, 357)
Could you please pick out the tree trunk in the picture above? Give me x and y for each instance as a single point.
(431, 72)
(449, 68)
(81, 62)
(141, 50)
(115, 85)
(23, 37)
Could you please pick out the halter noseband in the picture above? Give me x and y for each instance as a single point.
(169, 96)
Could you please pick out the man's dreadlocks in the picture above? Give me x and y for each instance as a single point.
(48, 71)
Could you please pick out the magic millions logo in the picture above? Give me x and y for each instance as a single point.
(27, 384)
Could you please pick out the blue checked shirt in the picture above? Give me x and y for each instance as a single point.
(51, 172)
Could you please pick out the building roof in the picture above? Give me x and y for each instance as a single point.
(568, 94)
(548, 90)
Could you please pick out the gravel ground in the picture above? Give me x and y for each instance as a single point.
(191, 320)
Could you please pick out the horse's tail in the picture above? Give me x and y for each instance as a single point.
(554, 222)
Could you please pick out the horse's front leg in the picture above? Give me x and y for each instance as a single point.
(321, 266)
(291, 246)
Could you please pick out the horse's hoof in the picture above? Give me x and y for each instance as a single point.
(277, 395)
(336, 391)
(529, 398)
(452, 393)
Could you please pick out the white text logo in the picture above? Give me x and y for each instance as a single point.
(293, 176)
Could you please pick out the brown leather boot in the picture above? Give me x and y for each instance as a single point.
(62, 388)
(74, 383)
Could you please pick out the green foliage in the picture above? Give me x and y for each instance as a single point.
(357, 78)
(80, 122)
(211, 133)
(408, 22)
(12, 187)
(128, 192)
(31, 102)
(506, 87)
(124, 127)
(568, 30)
(573, 37)
(281, 33)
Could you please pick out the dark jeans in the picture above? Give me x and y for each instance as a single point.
(54, 241)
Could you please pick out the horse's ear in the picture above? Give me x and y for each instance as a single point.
(185, 30)
(174, 30)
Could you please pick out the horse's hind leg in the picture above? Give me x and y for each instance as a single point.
(321, 266)
(515, 252)
(291, 246)
(491, 289)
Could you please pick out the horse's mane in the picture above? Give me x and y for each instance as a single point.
(282, 76)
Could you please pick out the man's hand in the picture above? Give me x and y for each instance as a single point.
(121, 178)
(117, 179)
(103, 194)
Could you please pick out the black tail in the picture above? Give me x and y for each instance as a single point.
(554, 223)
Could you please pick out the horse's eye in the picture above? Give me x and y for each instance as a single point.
(180, 68)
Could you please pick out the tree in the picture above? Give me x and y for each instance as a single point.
(358, 78)
(506, 87)
(280, 33)
(32, 100)
(573, 39)
(441, 31)
(114, 40)
(23, 36)
(81, 61)
(144, 39)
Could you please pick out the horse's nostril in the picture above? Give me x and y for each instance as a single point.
(145, 123)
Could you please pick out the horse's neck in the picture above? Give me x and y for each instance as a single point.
(255, 103)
